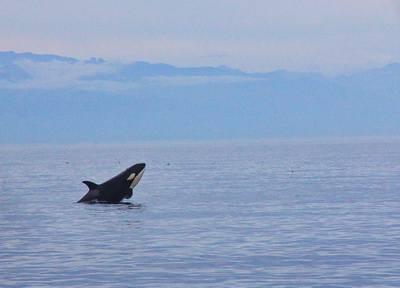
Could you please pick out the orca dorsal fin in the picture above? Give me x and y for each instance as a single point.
(90, 185)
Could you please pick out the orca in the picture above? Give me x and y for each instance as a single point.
(115, 189)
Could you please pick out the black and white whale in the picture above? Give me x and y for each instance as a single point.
(117, 188)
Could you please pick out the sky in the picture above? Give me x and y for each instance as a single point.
(327, 36)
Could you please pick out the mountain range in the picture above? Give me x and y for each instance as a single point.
(50, 98)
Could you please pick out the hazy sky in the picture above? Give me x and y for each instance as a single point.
(329, 36)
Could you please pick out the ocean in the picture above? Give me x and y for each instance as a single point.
(278, 213)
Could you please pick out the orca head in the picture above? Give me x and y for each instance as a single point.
(135, 173)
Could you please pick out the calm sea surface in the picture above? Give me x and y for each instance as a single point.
(237, 214)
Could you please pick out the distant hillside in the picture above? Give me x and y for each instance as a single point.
(22, 66)
(48, 98)
(11, 69)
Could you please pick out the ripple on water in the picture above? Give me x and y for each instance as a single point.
(292, 214)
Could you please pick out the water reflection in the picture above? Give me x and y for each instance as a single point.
(122, 206)
(131, 224)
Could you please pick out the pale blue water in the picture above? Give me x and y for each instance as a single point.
(243, 214)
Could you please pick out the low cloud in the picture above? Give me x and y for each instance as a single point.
(103, 76)
(193, 80)
(59, 74)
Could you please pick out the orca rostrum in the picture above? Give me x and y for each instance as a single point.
(117, 188)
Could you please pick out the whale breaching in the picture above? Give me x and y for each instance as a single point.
(117, 188)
